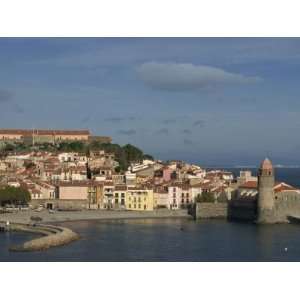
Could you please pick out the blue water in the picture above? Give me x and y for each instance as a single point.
(167, 240)
(288, 175)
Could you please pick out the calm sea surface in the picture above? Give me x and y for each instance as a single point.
(170, 240)
(167, 240)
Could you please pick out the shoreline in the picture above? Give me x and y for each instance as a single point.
(24, 217)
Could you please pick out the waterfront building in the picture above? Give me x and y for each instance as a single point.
(108, 195)
(120, 193)
(75, 190)
(79, 194)
(95, 195)
(139, 198)
(47, 190)
(178, 195)
(195, 190)
(161, 197)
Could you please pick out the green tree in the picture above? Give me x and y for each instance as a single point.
(132, 153)
(205, 197)
(72, 147)
(14, 196)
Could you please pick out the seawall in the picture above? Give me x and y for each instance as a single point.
(205, 210)
(52, 236)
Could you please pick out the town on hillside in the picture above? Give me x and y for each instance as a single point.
(72, 170)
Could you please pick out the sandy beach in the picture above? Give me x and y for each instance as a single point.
(61, 216)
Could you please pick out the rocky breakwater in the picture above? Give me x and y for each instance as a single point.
(52, 236)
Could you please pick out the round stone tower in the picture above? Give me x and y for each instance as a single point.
(265, 205)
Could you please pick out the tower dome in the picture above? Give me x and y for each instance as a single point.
(266, 164)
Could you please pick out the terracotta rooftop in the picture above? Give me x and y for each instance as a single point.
(251, 184)
(279, 187)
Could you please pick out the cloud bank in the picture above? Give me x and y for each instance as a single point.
(181, 77)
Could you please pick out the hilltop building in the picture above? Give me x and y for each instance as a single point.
(51, 136)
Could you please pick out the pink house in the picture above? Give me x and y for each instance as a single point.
(167, 173)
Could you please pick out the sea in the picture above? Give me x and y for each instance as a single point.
(174, 240)
(289, 175)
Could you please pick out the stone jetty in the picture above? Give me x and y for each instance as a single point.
(52, 236)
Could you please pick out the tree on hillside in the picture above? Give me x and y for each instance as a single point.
(72, 147)
(132, 153)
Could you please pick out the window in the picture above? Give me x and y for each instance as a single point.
(134, 205)
(145, 206)
(139, 205)
(129, 205)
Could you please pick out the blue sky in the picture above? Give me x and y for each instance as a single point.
(215, 101)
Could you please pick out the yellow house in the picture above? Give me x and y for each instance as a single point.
(139, 198)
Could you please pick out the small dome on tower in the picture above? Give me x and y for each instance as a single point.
(266, 164)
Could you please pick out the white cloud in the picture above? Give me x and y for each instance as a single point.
(176, 77)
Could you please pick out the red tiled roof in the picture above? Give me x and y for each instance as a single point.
(283, 187)
(251, 184)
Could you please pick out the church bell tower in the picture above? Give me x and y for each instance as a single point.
(265, 205)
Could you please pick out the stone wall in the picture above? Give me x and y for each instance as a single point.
(60, 204)
(242, 210)
(205, 210)
(286, 204)
(284, 207)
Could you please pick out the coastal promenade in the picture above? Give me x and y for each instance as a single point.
(24, 217)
